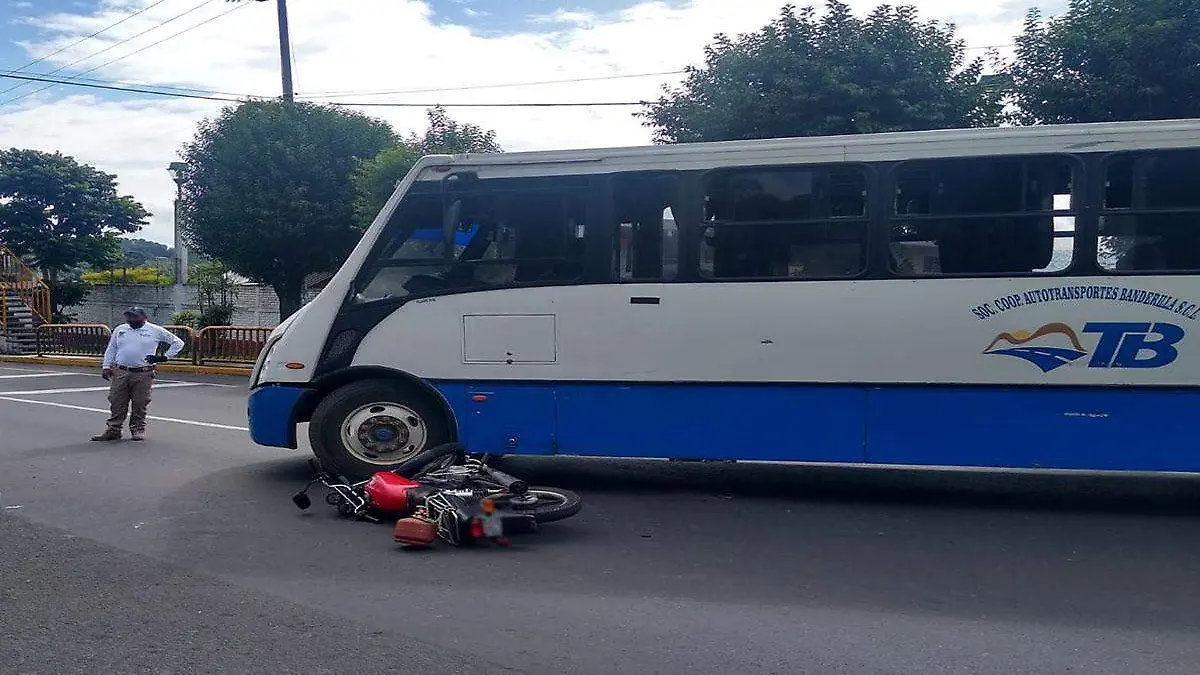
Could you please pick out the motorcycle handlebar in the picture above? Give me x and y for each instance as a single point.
(514, 485)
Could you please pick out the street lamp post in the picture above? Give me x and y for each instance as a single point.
(178, 171)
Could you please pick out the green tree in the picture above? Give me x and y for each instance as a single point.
(1109, 60)
(268, 191)
(806, 74)
(59, 215)
(376, 179)
(216, 292)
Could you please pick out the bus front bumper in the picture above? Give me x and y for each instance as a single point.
(271, 410)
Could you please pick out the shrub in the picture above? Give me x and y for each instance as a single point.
(187, 317)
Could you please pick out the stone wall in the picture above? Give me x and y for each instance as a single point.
(255, 305)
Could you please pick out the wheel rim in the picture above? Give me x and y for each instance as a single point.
(384, 433)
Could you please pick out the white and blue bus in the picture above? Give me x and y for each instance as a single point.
(1010, 297)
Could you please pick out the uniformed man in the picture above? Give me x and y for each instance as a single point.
(129, 367)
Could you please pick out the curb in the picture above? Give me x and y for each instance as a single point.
(85, 362)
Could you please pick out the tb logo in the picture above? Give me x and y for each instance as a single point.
(1134, 345)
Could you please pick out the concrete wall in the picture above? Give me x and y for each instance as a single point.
(255, 305)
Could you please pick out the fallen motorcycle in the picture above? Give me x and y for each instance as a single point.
(443, 493)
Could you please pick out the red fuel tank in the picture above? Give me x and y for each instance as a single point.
(388, 491)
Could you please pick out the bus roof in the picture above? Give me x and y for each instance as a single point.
(895, 146)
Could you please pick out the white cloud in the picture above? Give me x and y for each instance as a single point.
(372, 45)
(576, 17)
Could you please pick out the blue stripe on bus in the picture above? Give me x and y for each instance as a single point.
(1106, 429)
(1114, 429)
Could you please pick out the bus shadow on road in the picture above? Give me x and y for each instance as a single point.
(1058, 491)
(1161, 494)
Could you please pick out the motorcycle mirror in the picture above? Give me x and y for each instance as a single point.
(301, 500)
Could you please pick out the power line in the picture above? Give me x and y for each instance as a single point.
(80, 80)
(136, 51)
(89, 37)
(132, 90)
(472, 87)
(231, 99)
(111, 47)
(343, 94)
(573, 104)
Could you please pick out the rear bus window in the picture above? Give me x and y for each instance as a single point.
(785, 223)
(1151, 216)
(978, 216)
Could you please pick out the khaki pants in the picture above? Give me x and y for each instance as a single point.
(125, 389)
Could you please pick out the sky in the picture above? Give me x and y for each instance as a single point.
(342, 48)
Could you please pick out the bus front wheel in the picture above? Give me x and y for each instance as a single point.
(373, 426)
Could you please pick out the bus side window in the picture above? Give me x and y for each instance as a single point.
(504, 232)
(1151, 216)
(982, 216)
(533, 233)
(788, 222)
(647, 239)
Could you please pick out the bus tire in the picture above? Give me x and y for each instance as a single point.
(374, 425)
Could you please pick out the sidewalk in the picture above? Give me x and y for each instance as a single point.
(94, 362)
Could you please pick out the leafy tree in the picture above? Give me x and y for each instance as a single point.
(444, 136)
(186, 317)
(806, 74)
(375, 181)
(216, 293)
(267, 189)
(59, 214)
(1109, 60)
(69, 290)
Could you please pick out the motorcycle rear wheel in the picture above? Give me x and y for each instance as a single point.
(432, 459)
(545, 504)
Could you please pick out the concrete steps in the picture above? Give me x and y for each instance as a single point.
(21, 336)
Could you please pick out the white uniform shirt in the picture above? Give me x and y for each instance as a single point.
(130, 346)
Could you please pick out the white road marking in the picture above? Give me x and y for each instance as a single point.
(20, 370)
(35, 374)
(78, 390)
(207, 384)
(194, 423)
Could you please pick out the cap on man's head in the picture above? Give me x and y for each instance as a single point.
(136, 311)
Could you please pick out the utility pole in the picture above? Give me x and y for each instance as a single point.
(285, 51)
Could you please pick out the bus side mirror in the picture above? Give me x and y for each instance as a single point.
(459, 180)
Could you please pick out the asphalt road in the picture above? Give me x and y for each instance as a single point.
(185, 555)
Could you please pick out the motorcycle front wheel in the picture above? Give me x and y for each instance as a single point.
(545, 504)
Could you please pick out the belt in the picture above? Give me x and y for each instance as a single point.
(135, 369)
